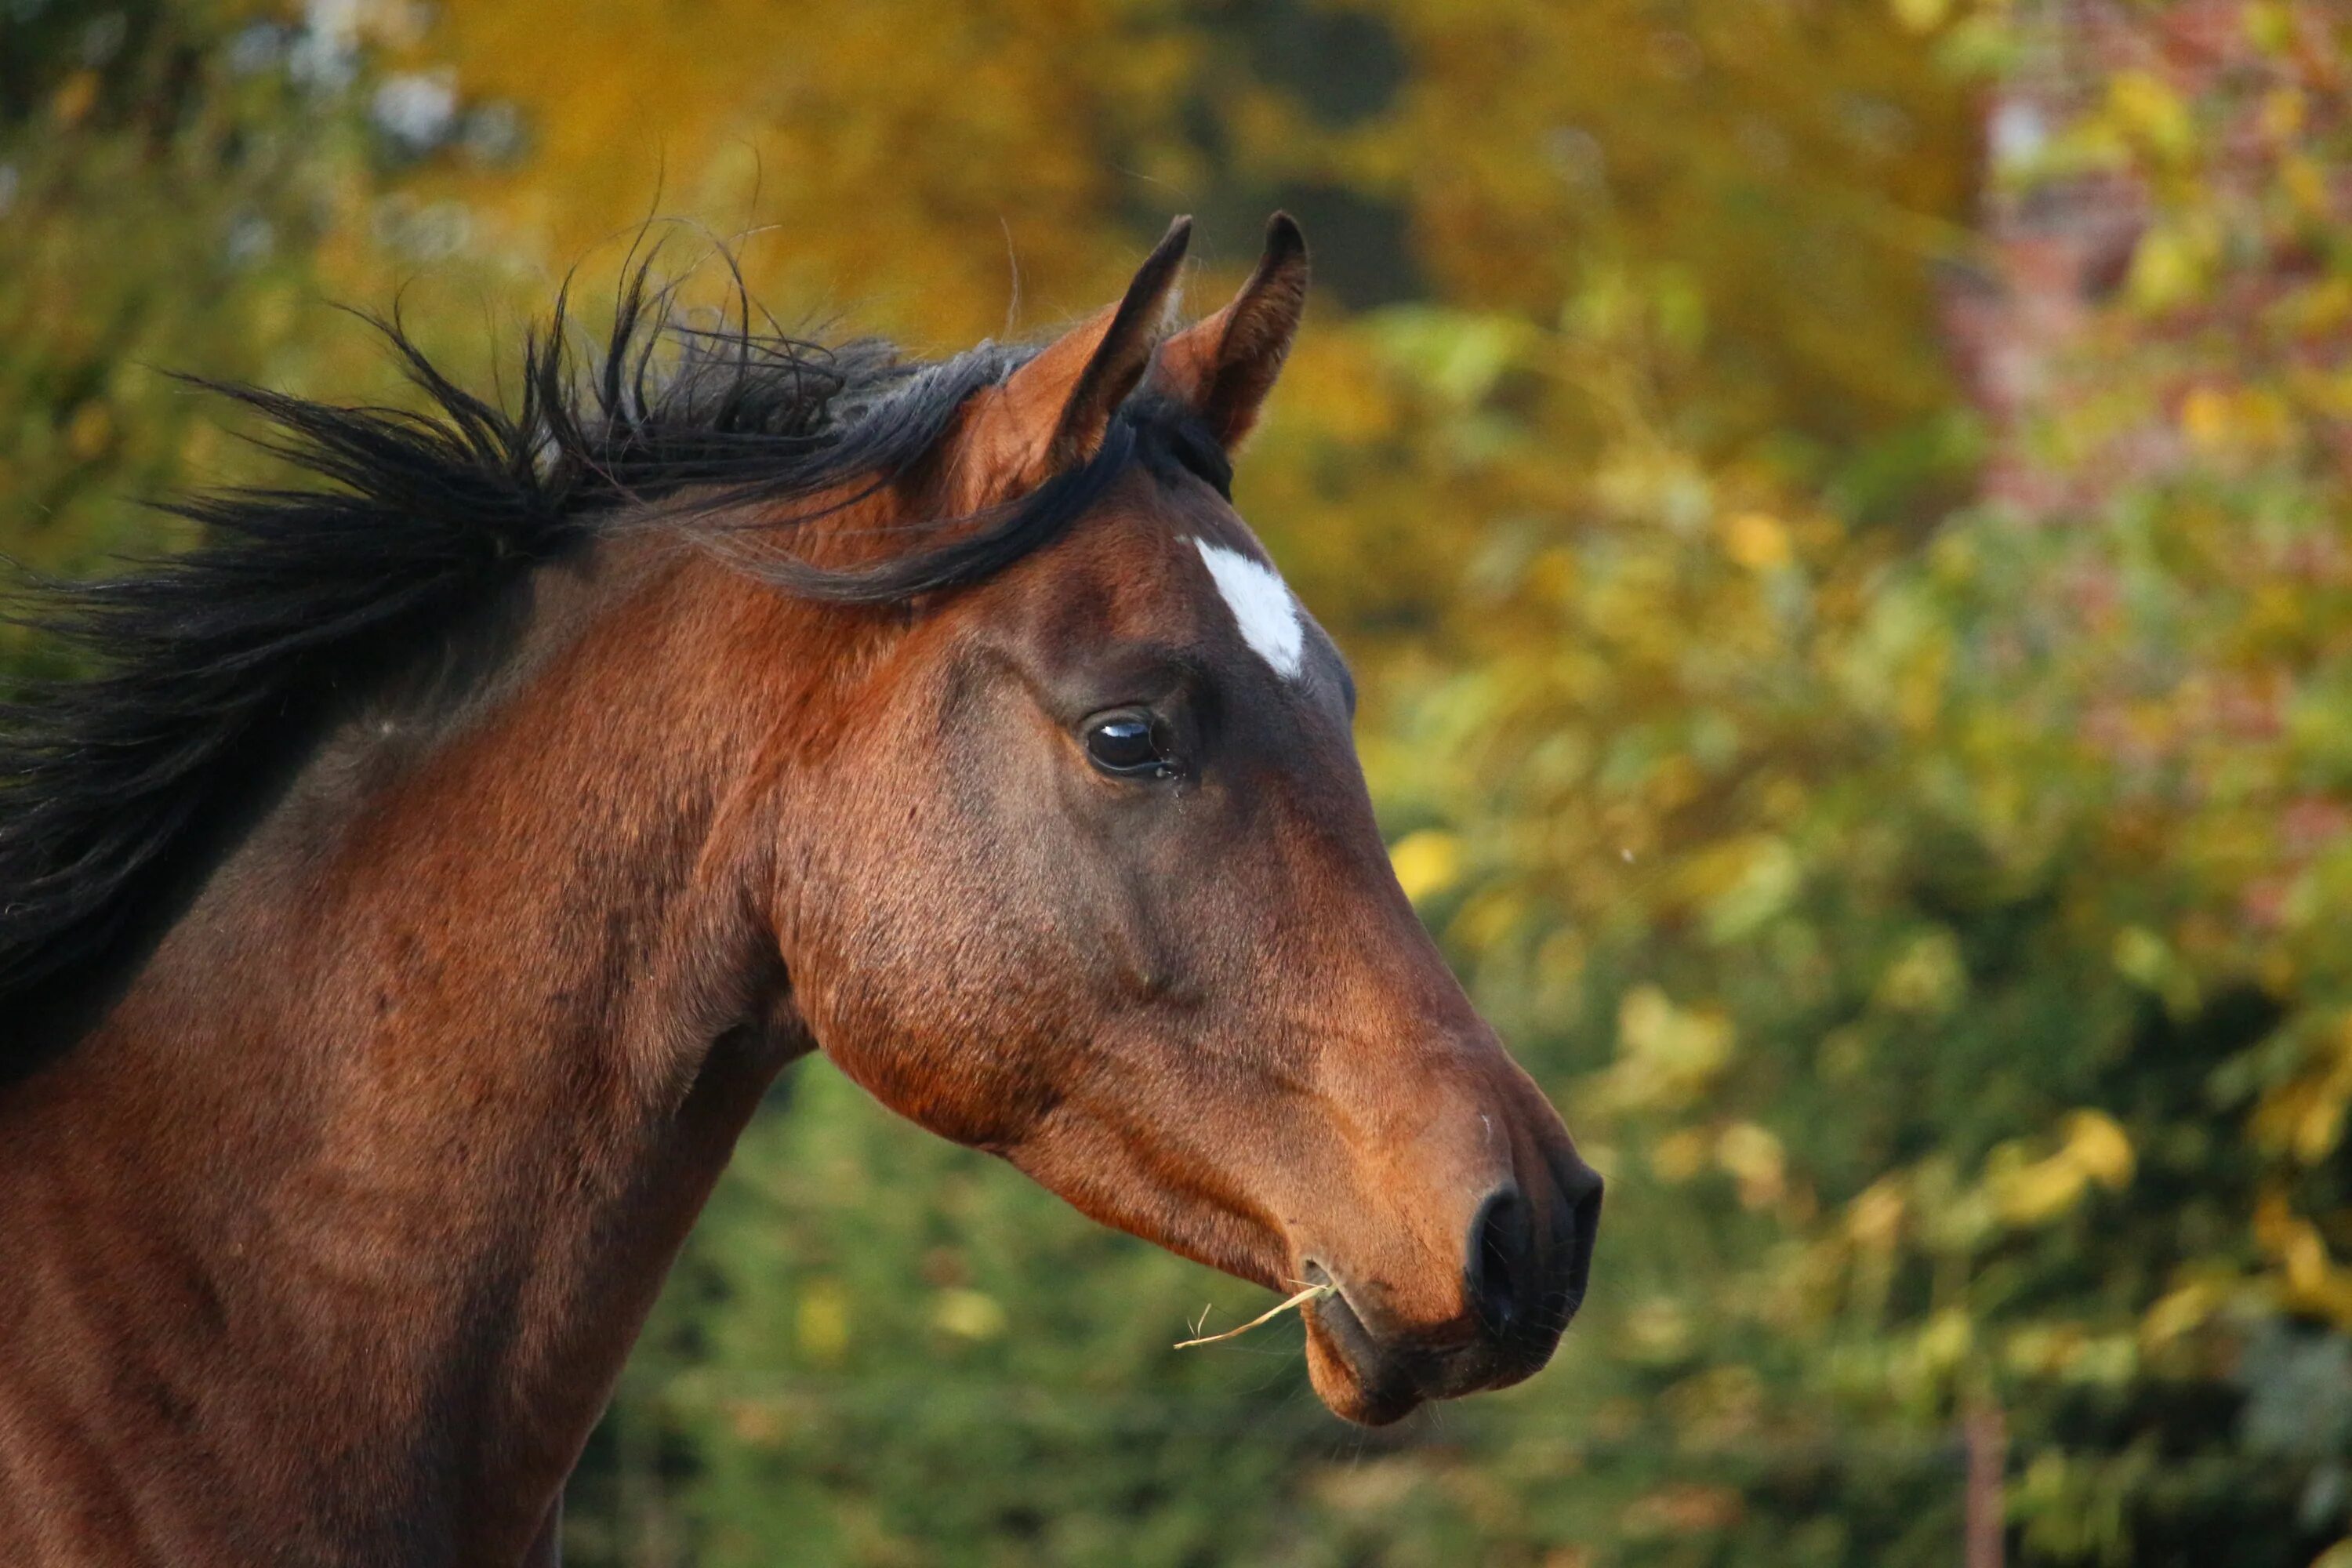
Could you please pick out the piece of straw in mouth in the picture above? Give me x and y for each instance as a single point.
(1312, 1293)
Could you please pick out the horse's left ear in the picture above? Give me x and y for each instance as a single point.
(1223, 365)
(1053, 413)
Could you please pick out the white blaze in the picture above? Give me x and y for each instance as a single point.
(1262, 606)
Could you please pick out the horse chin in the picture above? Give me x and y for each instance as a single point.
(1352, 1379)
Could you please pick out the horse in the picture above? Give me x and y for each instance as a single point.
(410, 896)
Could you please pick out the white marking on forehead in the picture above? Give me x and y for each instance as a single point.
(1262, 606)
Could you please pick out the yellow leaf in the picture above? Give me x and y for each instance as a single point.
(2306, 1257)
(2205, 417)
(822, 1321)
(2038, 1193)
(1678, 1156)
(2179, 1313)
(1928, 979)
(2308, 184)
(2283, 112)
(1757, 540)
(969, 1314)
(1922, 16)
(1754, 1158)
(2145, 103)
(2165, 271)
(90, 431)
(2098, 1147)
(75, 97)
(1945, 1339)
(1667, 1054)
(1875, 1218)
(1426, 863)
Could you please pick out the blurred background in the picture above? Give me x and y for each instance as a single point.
(1840, 510)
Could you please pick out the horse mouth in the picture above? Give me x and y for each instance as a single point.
(1373, 1381)
(1358, 1378)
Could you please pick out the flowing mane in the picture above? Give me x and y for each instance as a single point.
(119, 785)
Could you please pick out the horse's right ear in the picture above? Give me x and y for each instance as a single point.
(1222, 365)
(1053, 413)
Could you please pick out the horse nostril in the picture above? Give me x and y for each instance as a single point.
(1500, 1246)
(1579, 1223)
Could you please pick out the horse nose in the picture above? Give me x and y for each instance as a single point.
(1502, 1260)
(1576, 1222)
(1520, 1281)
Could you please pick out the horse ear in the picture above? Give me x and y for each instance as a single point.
(1053, 413)
(1223, 365)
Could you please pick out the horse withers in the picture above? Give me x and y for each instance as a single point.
(400, 924)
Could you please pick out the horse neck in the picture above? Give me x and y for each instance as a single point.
(375, 1169)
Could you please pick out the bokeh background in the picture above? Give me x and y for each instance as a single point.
(1840, 510)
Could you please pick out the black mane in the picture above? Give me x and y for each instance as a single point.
(115, 785)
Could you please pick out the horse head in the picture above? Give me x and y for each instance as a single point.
(1119, 910)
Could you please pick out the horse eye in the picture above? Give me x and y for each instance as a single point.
(1123, 745)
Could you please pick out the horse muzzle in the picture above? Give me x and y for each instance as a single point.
(1524, 1264)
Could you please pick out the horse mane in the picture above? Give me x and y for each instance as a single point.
(114, 783)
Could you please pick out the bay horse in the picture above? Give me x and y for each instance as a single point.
(403, 917)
